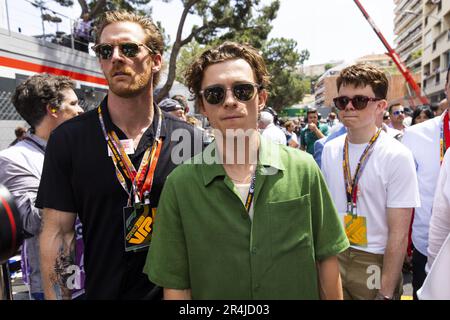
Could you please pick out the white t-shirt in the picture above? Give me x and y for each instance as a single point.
(388, 181)
(272, 132)
(440, 218)
(243, 189)
(423, 141)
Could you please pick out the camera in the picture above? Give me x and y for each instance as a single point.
(11, 234)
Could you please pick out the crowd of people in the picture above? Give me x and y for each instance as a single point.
(127, 201)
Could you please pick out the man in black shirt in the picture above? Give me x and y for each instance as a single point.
(109, 166)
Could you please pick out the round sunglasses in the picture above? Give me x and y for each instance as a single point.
(128, 49)
(359, 102)
(215, 94)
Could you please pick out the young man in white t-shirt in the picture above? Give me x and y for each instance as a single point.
(424, 141)
(375, 204)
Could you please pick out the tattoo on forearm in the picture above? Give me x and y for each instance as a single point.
(62, 270)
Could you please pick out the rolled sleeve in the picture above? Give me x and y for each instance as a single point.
(55, 189)
(167, 259)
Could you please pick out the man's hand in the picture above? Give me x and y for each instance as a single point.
(312, 126)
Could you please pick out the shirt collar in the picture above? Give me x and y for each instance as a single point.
(41, 142)
(269, 156)
(150, 132)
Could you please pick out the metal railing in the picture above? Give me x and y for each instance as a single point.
(34, 18)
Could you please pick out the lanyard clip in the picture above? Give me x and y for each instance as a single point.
(146, 197)
(137, 201)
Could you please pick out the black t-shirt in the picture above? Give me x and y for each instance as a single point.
(79, 176)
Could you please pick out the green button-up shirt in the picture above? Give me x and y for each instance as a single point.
(204, 239)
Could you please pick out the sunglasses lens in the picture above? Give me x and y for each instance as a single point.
(105, 51)
(360, 102)
(214, 95)
(244, 91)
(129, 50)
(341, 102)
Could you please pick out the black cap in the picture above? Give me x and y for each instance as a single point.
(170, 105)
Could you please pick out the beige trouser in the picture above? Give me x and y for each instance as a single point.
(361, 275)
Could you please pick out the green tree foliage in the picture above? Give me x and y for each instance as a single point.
(96, 7)
(221, 20)
(282, 58)
(187, 55)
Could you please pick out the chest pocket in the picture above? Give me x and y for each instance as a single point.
(292, 252)
(290, 223)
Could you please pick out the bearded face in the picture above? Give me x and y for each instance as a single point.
(126, 82)
(128, 76)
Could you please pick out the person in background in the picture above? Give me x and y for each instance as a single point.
(291, 137)
(269, 130)
(20, 134)
(313, 131)
(421, 114)
(428, 141)
(194, 121)
(183, 101)
(82, 32)
(397, 115)
(332, 119)
(44, 101)
(442, 106)
(440, 217)
(173, 107)
(261, 228)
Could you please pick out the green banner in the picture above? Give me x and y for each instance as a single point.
(292, 112)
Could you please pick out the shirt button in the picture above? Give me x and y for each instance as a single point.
(254, 250)
(257, 287)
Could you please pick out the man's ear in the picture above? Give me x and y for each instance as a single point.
(52, 110)
(383, 104)
(157, 63)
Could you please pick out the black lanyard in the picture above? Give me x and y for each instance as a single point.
(251, 193)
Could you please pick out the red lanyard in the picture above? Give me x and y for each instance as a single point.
(351, 184)
(141, 180)
(445, 135)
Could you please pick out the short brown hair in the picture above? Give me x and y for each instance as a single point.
(154, 38)
(363, 74)
(32, 96)
(225, 52)
(394, 105)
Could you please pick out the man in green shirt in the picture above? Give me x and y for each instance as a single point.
(246, 219)
(312, 132)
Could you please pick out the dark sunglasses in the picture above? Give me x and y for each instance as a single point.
(242, 91)
(358, 102)
(398, 112)
(128, 49)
